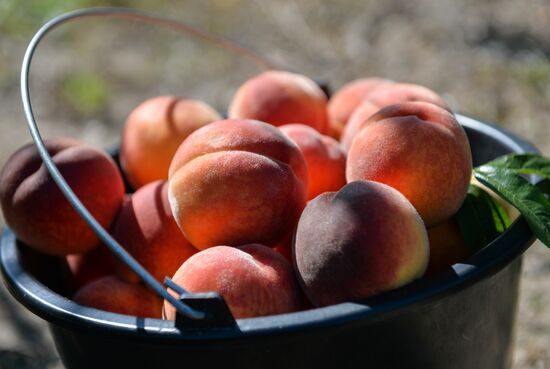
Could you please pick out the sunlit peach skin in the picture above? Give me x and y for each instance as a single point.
(153, 132)
(279, 97)
(419, 149)
(235, 182)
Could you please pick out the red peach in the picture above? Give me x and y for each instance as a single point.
(344, 102)
(384, 95)
(325, 159)
(36, 210)
(279, 97)
(253, 279)
(115, 295)
(237, 181)
(146, 228)
(357, 242)
(419, 149)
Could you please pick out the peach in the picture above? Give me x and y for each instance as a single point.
(235, 182)
(419, 149)
(279, 97)
(146, 228)
(362, 240)
(87, 267)
(447, 247)
(384, 95)
(36, 210)
(153, 132)
(344, 101)
(253, 279)
(358, 118)
(325, 159)
(393, 93)
(115, 295)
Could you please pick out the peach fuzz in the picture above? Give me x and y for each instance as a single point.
(36, 210)
(87, 267)
(153, 132)
(278, 98)
(235, 182)
(362, 240)
(344, 102)
(146, 229)
(393, 93)
(253, 279)
(117, 296)
(419, 149)
(363, 112)
(447, 247)
(384, 95)
(325, 159)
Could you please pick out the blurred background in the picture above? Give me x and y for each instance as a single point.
(489, 59)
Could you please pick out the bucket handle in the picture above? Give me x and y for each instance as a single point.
(186, 313)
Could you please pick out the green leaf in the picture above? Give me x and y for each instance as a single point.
(480, 218)
(526, 197)
(523, 164)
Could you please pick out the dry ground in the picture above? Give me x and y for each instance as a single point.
(488, 58)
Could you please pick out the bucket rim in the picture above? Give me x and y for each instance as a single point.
(59, 310)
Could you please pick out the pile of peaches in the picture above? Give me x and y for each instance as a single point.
(295, 201)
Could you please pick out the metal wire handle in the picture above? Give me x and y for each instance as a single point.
(115, 247)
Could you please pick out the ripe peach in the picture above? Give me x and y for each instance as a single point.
(344, 101)
(325, 159)
(393, 93)
(419, 149)
(146, 228)
(153, 132)
(384, 95)
(357, 242)
(253, 279)
(235, 182)
(37, 211)
(115, 295)
(85, 268)
(279, 97)
(356, 121)
(447, 246)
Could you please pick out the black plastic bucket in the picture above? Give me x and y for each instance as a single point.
(463, 318)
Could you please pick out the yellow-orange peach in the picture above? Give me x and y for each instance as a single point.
(419, 149)
(235, 182)
(36, 210)
(384, 95)
(115, 295)
(253, 279)
(357, 242)
(153, 132)
(344, 101)
(279, 97)
(146, 228)
(325, 159)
